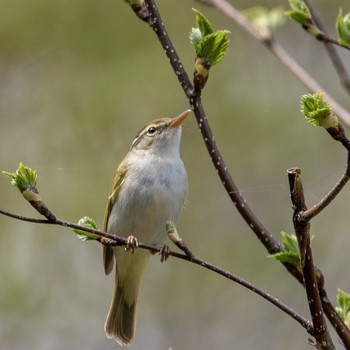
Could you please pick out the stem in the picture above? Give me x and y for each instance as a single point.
(308, 214)
(117, 240)
(302, 230)
(332, 52)
(263, 234)
(265, 237)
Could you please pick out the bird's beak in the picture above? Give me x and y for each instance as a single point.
(177, 121)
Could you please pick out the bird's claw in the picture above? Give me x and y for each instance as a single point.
(131, 244)
(164, 253)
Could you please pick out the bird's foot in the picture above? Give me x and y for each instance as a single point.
(131, 244)
(164, 253)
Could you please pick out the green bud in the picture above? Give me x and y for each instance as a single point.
(299, 11)
(343, 28)
(172, 232)
(209, 45)
(318, 111)
(343, 307)
(83, 235)
(196, 37)
(290, 252)
(24, 178)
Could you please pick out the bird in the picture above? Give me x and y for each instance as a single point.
(148, 189)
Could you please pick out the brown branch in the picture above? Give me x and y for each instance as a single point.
(263, 234)
(308, 214)
(113, 240)
(271, 244)
(302, 230)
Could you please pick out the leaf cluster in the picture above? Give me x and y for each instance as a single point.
(209, 44)
(317, 111)
(24, 178)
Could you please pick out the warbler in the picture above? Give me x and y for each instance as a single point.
(148, 189)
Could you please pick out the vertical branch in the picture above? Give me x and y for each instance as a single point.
(156, 23)
(302, 230)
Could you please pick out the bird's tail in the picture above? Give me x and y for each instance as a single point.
(121, 319)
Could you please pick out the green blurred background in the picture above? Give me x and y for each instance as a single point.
(78, 80)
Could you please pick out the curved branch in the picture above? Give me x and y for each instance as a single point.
(156, 23)
(113, 240)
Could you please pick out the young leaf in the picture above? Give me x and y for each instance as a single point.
(195, 37)
(343, 28)
(24, 178)
(209, 45)
(343, 308)
(203, 23)
(83, 235)
(172, 231)
(290, 253)
(213, 47)
(317, 111)
(299, 11)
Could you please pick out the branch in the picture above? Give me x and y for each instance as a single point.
(231, 12)
(332, 52)
(302, 231)
(155, 21)
(113, 240)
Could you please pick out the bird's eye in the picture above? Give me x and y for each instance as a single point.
(151, 131)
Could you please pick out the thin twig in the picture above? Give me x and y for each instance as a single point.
(308, 214)
(114, 240)
(339, 66)
(302, 230)
(230, 11)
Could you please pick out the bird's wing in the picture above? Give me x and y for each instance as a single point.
(118, 179)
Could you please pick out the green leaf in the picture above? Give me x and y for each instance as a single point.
(343, 28)
(83, 235)
(172, 231)
(343, 307)
(209, 45)
(317, 111)
(299, 11)
(24, 178)
(195, 37)
(290, 253)
(203, 23)
(213, 47)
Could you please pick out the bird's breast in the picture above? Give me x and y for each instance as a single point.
(152, 194)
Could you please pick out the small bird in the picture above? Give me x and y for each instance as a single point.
(148, 189)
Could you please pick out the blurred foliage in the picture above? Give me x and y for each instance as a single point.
(78, 80)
